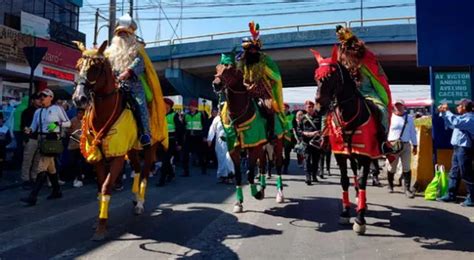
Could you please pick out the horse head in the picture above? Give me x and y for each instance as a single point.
(227, 76)
(330, 76)
(93, 68)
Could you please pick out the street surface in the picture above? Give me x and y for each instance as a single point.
(192, 217)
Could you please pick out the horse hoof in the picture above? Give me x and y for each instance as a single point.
(260, 195)
(238, 208)
(95, 224)
(280, 198)
(99, 236)
(344, 220)
(359, 228)
(139, 208)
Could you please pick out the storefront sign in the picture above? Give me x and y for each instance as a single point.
(34, 25)
(50, 72)
(59, 55)
(12, 43)
(451, 87)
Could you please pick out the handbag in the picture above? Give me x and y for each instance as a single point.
(300, 147)
(397, 145)
(49, 146)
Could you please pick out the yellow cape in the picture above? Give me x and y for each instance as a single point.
(156, 108)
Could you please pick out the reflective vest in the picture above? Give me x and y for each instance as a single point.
(193, 122)
(289, 121)
(170, 121)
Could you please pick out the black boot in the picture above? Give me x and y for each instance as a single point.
(407, 184)
(56, 192)
(308, 178)
(37, 185)
(390, 176)
(315, 177)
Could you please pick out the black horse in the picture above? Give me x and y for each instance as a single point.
(347, 111)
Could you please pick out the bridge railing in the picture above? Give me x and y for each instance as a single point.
(287, 28)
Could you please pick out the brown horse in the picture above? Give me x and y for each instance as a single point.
(241, 108)
(98, 92)
(351, 130)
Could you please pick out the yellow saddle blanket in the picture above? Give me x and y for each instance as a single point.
(120, 139)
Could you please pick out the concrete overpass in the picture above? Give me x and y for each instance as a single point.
(188, 68)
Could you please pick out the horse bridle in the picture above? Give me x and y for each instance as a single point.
(227, 87)
(88, 84)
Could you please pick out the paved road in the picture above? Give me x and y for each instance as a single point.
(192, 218)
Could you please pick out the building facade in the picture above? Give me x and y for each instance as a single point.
(43, 23)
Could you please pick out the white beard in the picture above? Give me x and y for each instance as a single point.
(122, 52)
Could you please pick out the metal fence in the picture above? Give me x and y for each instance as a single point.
(287, 28)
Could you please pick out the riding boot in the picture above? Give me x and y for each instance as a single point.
(407, 184)
(37, 185)
(56, 192)
(390, 176)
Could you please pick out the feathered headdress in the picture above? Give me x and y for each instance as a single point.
(255, 40)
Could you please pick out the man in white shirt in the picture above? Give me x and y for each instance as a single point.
(402, 129)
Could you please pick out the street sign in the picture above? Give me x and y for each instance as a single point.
(34, 55)
(451, 87)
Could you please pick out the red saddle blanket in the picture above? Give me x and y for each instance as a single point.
(364, 139)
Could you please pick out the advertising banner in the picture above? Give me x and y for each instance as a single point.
(59, 55)
(34, 25)
(12, 43)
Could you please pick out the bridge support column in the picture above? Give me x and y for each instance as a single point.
(189, 86)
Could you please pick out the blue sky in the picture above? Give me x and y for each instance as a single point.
(201, 17)
(234, 15)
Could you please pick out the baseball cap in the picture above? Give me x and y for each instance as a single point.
(47, 92)
(399, 101)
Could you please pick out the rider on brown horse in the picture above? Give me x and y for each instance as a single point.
(128, 66)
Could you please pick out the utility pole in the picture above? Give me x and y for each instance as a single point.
(112, 12)
(361, 13)
(131, 8)
(96, 27)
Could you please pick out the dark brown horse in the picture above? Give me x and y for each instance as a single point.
(339, 96)
(241, 107)
(98, 91)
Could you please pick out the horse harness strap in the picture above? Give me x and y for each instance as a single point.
(98, 135)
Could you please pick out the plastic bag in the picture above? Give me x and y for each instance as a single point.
(431, 190)
(438, 187)
(443, 182)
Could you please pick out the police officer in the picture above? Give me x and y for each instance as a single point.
(196, 137)
(309, 130)
(175, 139)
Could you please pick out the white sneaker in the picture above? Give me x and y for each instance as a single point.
(77, 184)
(61, 182)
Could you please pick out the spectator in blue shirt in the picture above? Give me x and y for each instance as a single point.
(462, 141)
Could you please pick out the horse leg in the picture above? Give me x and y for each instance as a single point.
(149, 159)
(354, 172)
(101, 172)
(359, 222)
(116, 166)
(278, 155)
(345, 216)
(134, 158)
(238, 206)
(254, 154)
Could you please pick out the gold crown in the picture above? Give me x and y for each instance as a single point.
(344, 34)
